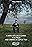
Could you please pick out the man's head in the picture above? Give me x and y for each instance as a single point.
(15, 21)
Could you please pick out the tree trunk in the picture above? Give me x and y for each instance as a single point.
(6, 6)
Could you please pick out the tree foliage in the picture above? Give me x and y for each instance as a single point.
(15, 8)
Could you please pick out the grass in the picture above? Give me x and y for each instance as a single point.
(23, 29)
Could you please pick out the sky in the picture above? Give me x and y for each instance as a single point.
(23, 15)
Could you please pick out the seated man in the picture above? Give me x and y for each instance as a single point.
(15, 26)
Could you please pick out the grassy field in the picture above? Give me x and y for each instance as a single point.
(24, 29)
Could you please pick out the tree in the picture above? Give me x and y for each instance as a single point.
(24, 21)
(13, 8)
(6, 6)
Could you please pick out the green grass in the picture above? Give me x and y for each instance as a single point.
(23, 29)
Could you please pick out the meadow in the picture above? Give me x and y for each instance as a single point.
(24, 29)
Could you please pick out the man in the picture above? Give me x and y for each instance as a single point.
(15, 26)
